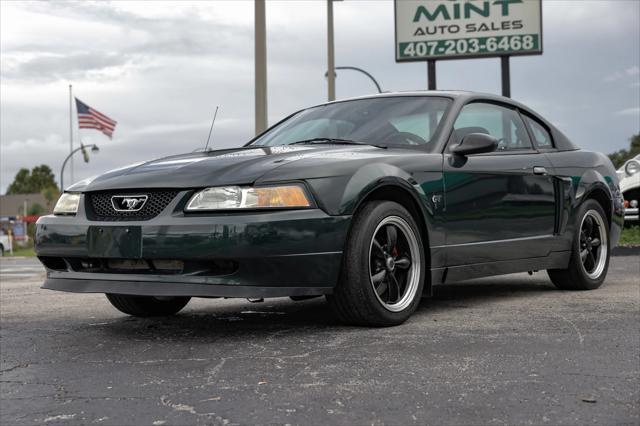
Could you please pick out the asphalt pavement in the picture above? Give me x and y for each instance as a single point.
(506, 350)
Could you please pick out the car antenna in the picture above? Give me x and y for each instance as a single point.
(215, 114)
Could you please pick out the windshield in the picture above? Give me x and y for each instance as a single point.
(402, 120)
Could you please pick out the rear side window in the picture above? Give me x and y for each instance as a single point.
(540, 134)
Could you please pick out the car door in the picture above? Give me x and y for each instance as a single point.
(499, 205)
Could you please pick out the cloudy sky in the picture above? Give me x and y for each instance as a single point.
(160, 69)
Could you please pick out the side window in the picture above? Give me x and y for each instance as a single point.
(540, 134)
(502, 123)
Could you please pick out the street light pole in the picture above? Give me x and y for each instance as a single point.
(94, 149)
(326, 74)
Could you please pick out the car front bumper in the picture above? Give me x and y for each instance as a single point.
(631, 215)
(265, 254)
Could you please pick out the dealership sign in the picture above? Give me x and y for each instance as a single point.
(449, 29)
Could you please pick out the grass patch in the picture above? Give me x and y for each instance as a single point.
(21, 252)
(630, 236)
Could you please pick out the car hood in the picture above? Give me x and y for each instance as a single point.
(237, 166)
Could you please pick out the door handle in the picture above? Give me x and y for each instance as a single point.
(537, 170)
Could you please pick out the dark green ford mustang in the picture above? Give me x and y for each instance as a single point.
(370, 201)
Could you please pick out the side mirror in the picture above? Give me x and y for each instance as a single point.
(475, 143)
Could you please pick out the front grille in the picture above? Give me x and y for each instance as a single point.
(99, 206)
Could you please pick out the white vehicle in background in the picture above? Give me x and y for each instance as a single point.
(5, 244)
(629, 175)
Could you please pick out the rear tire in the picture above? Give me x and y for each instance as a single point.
(147, 306)
(590, 254)
(383, 267)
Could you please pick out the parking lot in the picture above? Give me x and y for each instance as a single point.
(501, 350)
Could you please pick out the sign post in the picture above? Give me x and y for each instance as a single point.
(430, 30)
(506, 76)
(431, 71)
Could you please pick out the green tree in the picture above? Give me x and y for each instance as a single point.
(618, 158)
(21, 183)
(42, 177)
(37, 180)
(51, 194)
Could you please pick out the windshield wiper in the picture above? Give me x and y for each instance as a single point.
(335, 141)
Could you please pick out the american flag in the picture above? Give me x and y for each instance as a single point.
(89, 118)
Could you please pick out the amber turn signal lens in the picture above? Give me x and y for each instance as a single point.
(281, 196)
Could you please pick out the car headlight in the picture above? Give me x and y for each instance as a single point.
(236, 197)
(67, 204)
(632, 168)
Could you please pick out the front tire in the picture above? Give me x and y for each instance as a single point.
(590, 254)
(147, 306)
(383, 267)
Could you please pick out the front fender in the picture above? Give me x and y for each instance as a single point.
(373, 176)
(342, 195)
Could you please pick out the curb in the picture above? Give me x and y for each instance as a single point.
(626, 251)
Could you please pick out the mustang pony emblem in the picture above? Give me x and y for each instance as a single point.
(128, 203)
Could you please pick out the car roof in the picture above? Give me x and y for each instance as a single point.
(461, 97)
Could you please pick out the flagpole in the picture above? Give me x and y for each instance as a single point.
(70, 132)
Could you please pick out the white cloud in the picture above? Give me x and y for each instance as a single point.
(160, 68)
(618, 75)
(629, 111)
(589, 19)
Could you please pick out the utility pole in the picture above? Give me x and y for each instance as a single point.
(70, 130)
(260, 33)
(331, 73)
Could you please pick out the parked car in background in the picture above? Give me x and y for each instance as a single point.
(5, 244)
(629, 175)
(369, 201)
